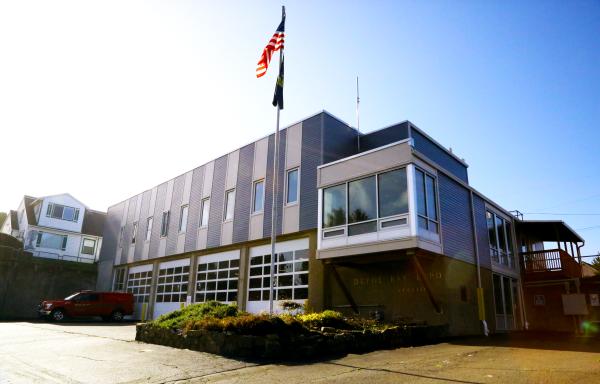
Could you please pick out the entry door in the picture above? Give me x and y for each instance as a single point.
(504, 299)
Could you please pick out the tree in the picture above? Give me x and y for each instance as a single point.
(596, 262)
(2, 217)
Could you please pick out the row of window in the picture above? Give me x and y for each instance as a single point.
(258, 197)
(62, 212)
(59, 242)
(218, 280)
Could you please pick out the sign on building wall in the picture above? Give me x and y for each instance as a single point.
(539, 300)
(574, 304)
(594, 300)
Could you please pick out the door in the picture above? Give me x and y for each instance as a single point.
(504, 302)
(86, 304)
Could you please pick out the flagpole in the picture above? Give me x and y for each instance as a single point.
(357, 114)
(274, 202)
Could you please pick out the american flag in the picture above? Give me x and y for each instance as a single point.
(275, 44)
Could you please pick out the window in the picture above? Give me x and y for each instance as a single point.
(88, 247)
(334, 206)
(139, 284)
(229, 204)
(218, 280)
(62, 212)
(292, 186)
(164, 226)
(134, 232)
(426, 201)
(51, 240)
(119, 283)
(121, 234)
(204, 213)
(149, 222)
(291, 276)
(393, 193)
(362, 206)
(259, 196)
(172, 284)
(183, 218)
(500, 239)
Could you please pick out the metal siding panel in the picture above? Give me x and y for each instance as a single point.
(281, 181)
(269, 185)
(159, 207)
(483, 240)
(175, 209)
(268, 189)
(142, 224)
(435, 153)
(127, 232)
(339, 140)
(216, 202)
(457, 226)
(110, 234)
(191, 233)
(243, 194)
(384, 136)
(311, 159)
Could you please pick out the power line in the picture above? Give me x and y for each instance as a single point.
(561, 214)
(586, 228)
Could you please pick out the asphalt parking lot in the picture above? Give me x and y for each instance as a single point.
(83, 352)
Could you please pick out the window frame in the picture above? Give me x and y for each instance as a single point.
(226, 205)
(134, 229)
(201, 222)
(149, 224)
(164, 225)
(63, 244)
(183, 221)
(254, 184)
(287, 186)
(84, 246)
(50, 212)
(506, 256)
(429, 220)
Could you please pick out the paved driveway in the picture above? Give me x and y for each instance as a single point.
(101, 353)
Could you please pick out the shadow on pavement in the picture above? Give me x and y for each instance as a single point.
(535, 340)
(92, 321)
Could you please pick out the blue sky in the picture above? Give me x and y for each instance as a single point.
(153, 89)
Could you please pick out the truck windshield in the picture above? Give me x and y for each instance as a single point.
(72, 296)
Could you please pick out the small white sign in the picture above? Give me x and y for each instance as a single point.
(539, 300)
(594, 300)
(188, 300)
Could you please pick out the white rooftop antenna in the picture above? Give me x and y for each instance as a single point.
(357, 114)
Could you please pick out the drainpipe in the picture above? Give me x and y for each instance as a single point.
(480, 302)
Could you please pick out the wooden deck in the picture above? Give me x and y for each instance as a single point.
(549, 265)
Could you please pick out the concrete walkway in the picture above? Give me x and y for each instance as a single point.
(101, 353)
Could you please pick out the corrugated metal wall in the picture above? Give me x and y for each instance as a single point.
(217, 197)
(175, 209)
(435, 153)
(311, 158)
(243, 195)
(142, 225)
(483, 240)
(161, 192)
(191, 233)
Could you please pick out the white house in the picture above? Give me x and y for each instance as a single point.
(58, 227)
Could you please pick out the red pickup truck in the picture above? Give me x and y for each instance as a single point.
(111, 306)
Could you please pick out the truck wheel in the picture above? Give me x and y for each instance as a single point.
(57, 315)
(117, 315)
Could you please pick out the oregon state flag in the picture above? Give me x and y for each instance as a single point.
(278, 96)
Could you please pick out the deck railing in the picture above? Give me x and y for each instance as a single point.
(553, 261)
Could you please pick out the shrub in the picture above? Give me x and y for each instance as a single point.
(210, 309)
(326, 318)
(248, 324)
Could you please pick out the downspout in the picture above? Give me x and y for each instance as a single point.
(480, 302)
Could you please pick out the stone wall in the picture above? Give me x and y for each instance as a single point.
(312, 344)
(25, 280)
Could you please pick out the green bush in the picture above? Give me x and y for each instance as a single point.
(326, 318)
(248, 324)
(211, 309)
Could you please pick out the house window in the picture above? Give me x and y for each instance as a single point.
(259, 196)
(164, 226)
(427, 216)
(134, 232)
(183, 218)
(139, 283)
(119, 283)
(62, 212)
(500, 239)
(149, 222)
(172, 284)
(205, 213)
(362, 206)
(218, 280)
(51, 240)
(291, 276)
(292, 186)
(229, 204)
(334, 206)
(88, 247)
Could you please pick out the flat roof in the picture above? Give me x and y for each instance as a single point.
(548, 230)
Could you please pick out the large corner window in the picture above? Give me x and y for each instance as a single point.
(365, 203)
(500, 239)
(62, 212)
(334, 206)
(427, 215)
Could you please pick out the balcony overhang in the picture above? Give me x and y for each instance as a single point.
(548, 230)
(366, 250)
